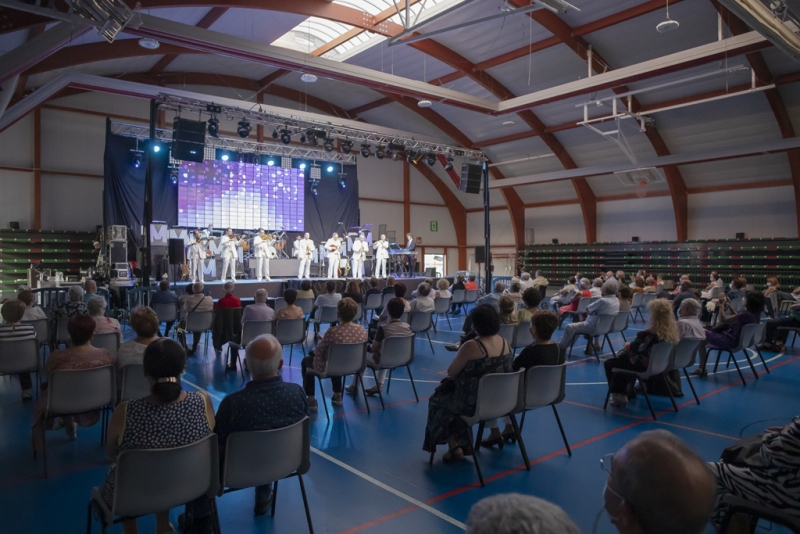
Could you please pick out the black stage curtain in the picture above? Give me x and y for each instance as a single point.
(332, 203)
(123, 195)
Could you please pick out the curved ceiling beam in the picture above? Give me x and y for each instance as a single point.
(213, 15)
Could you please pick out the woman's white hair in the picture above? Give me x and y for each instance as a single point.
(96, 305)
(76, 293)
(512, 513)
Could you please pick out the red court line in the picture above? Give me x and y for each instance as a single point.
(379, 520)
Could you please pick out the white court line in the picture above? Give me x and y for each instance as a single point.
(360, 474)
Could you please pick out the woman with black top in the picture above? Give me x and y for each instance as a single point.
(455, 309)
(353, 291)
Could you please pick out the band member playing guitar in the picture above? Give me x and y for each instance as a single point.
(263, 243)
(334, 248)
(306, 252)
(359, 256)
(381, 255)
(229, 242)
(197, 255)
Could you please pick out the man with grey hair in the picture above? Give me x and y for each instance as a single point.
(75, 306)
(689, 326)
(258, 311)
(229, 301)
(423, 302)
(196, 302)
(657, 485)
(525, 281)
(91, 290)
(514, 513)
(493, 299)
(608, 304)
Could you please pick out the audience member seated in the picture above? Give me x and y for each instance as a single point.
(649, 285)
(562, 297)
(12, 329)
(714, 281)
(610, 279)
(508, 310)
(686, 292)
(493, 299)
(736, 288)
(457, 394)
(543, 351)
(428, 280)
(774, 339)
(305, 291)
(373, 288)
(638, 285)
(353, 291)
(531, 297)
(597, 288)
(540, 280)
(345, 332)
(769, 476)
(584, 293)
(608, 304)
(32, 313)
(328, 300)
(144, 322)
(774, 296)
(423, 302)
(444, 289)
(726, 335)
(196, 302)
(657, 484)
(514, 292)
(399, 293)
(620, 277)
(229, 301)
(73, 307)
(79, 355)
(514, 513)
(169, 417)
(625, 297)
(525, 281)
(96, 307)
(459, 284)
(258, 310)
(689, 326)
(471, 284)
(636, 354)
(389, 289)
(292, 310)
(90, 291)
(164, 296)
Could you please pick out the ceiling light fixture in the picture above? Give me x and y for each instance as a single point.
(431, 159)
(148, 43)
(308, 78)
(508, 123)
(365, 150)
(347, 146)
(243, 129)
(328, 145)
(380, 153)
(286, 137)
(213, 127)
(449, 166)
(424, 103)
(667, 25)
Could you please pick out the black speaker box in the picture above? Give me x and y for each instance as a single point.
(480, 254)
(176, 252)
(635, 239)
(470, 178)
(118, 252)
(740, 235)
(188, 140)
(555, 241)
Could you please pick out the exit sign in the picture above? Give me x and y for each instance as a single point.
(434, 226)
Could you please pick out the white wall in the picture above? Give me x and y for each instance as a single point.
(564, 223)
(650, 218)
(756, 212)
(16, 198)
(71, 203)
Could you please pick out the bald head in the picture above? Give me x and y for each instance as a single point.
(264, 357)
(667, 487)
(228, 288)
(91, 286)
(261, 295)
(197, 288)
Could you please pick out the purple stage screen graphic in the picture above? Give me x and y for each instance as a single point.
(240, 195)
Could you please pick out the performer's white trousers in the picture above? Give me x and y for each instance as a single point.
(305, 268)
(381, 272)
(333, 266)
(196, 270)
(228, 263)
(262, 268)
(358, 269)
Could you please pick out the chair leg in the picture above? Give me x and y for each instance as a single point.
(560, 427)
(623, 337)
(389, 380)
(762, 359)
(44, 447)
(302, 346)
(448, 322)
(89, 519)
(380, 395)
(669, 390)
(429, 341)
(475, 458)
(569, 356)
(430, 461)
(522, 420)
(719, 355)
(647, 398)
(735, 363)
(610, 346)
(749, 361)
(479, 437)
(291, 348)
(408, 368)
(360, 378)
(305, 504)
(215, 515)
(322, 398)
(608, 395)
(274, 497)
(519, 439)
(435, 320)
(241, 364)
(691, 385)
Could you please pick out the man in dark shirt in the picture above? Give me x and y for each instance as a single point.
(686, 293)
(455, 309)
(165, 296)
(389, 289)
(229, 300)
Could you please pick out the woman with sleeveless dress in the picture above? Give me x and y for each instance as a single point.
(168, 417)
(458, 393)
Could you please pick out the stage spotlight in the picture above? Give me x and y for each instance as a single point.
(449, 166)
(347, 146)
(137, 159)
(303, 138)
(274, 134)
(314, 184)
(225, 157)
(330, 168)
(173, 173)
(271, 162)
(244, 129)
(286, 137)
(341, 182)
(380, 153)
(328, 145)
(312, 139)
(156, 147)
(213, 127)
(365, 150)
(431, 159)
(302, 166)
(397, 155)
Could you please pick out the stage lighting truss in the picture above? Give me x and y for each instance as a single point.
(294, 126)
(237, 145)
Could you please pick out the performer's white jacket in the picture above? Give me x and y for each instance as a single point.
(228, 247)
(360, 250)
(261, 245)
(381, 249)
(333, 243)
(197, 250)
(305, 249)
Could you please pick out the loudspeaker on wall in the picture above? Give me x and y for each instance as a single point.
(480, 254)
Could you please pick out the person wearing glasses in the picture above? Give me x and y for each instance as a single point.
(656, 483)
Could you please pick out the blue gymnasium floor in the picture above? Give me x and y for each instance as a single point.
(369, 472)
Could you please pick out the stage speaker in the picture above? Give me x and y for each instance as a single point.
(177, 251)
(14, 225)
(188, 140)
(740, 235)
(118, 252)
(555, 241)
(480, 254)
(430, 272)
(470, 178)
(635, 239)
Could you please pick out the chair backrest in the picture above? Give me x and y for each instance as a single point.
(109, 341)
(660, 358)
(458, 296)
(346, 359)
(328, 314)
(386, 298)
(498, 395)
(543, 385)
(61, 329)
(397, 351)
(374, 301)
(420, 321)
(280, 303)
(637, 300)
(748, 334)
(253, 329)
(522, 335)
(737, 304)
(507, 332)
(604, 323)
(359, 313)
(290, 331)
(583, 304)
(442, 304)
(648, 297)
(715, 291)
(138, 297)
(165, 311)
(246, 465)
(199, 321)
(152, 480)
(18, 356)
(685, 352)
(404, 317)
(42, 327)
(74, 391)
(305, 304)
(134, 383)
(620, 323)
(49, 297)
(471, 296)
(543, 292)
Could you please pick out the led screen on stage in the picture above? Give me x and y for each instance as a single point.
(240, 195)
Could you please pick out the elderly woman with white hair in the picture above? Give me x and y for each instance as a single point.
(689, 326)
(72, 308)
(105, 325)
(512, 513)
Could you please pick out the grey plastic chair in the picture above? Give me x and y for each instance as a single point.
(715, 291)
(359, 316)
(147, 481)
(246, 466)
(72, 392)
(62, 335)
(395, 352)
(659, 363)
(499, 396)
(386, 298)
(421, 321)
(755, 511)
(20, 356)
(109, 341)
(290, 332)
(684, 357)
(250, 331)
(374, 303)
(328, 315)
(759, 334)
(344, 359)
(200, 322)
(619, 326)
(305, 304)
(737, 304)
(458, 296)
(637, 304)
(522, 337)
(545, 385)
(42, 327)
(134, 383)
(748, 333)
(470, 297)
(280, 303)
(647, 299)
(508, 332)
(583, 304)
(166, 313)
(442, 307)
(604, 324)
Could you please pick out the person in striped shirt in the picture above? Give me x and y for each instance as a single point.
(13, 330)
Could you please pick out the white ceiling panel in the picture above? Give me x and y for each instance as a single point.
(185, 15)
(610, 185)
(570, 109)
(340, 93)
(764, 168)
(471, 87)
(399, 117)
(477, 126)
(9, 41)
(592, 10)
(213, 64)
(589, 148)
(256, 24)
(779, 63)
(401, 61)
(548, 68)
(549, 192)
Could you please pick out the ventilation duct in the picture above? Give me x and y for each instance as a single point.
(777, 20)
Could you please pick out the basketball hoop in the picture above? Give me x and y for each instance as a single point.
(641, 189)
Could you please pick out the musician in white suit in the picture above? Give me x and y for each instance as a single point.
(359, 256)
(197, 253)
(229, 253)
(334, 248)
(381, 256)
(264, 249)
(296, 247)
(306, 252)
